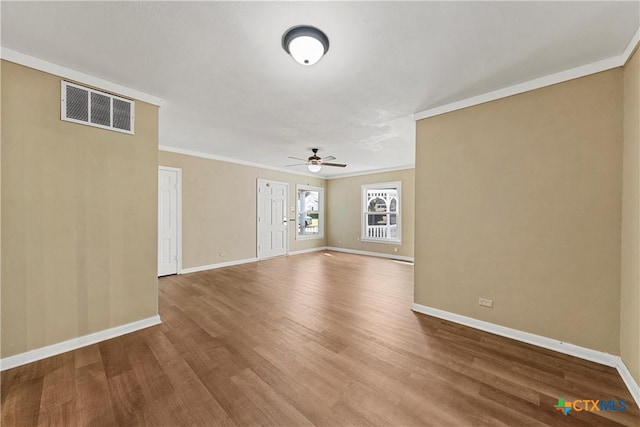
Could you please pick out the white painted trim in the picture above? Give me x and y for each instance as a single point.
(373, 171)
(600, 357)
(548, 80)
(202, 155)
(179, 211)
(218, 265)
(563, 76)
(230, 160)
(631, 47)
(309, 237)
(321, 212)
(306, 251)
(75, 343)
(58, 70)
(529, 338)
(629, 381)
(364, 211)
(368, 253)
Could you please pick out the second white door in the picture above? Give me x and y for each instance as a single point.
(168, 220)
(273, 224)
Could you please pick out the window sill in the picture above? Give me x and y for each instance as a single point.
(386, 241)
(298, 237)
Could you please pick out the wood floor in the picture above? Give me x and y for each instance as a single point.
(315, 339)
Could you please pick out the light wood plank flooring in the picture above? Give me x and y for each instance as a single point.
(315, 339)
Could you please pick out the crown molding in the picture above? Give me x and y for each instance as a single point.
(77, 76)
(234, 161)
(548, 80)
(631, 47)
(551, 79)
(202, 155)
(373, 171)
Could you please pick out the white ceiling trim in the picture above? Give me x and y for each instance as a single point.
(551, 79)
(631, 47)
(68, 73)
(234, 161)
(563, 76)
(374, 171)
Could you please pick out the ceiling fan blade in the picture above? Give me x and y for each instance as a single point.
(298, 158)
(296, 164)
(340, 165)
(329, 158)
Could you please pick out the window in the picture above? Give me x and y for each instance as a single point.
(310, 212)
(381, 216)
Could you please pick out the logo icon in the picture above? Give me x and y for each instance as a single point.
(563, 406)
(590, 405)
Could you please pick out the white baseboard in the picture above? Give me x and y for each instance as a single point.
(306, 251)
(75, 343)
(537, 340)
(600, 357)
(368, 253)
(628, 379)
(218, 265)
(303, 251)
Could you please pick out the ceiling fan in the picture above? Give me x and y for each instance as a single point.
(315, 162)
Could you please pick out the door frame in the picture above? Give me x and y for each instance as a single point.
(179, 214)
(286, 184)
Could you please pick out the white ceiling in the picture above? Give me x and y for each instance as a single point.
(231, 91)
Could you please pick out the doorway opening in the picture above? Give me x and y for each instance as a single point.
(169, 220)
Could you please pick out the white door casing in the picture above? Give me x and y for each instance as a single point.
(273, 225)
(169, 221)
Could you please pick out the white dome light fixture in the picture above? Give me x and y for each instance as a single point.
(314, 168)
(306, 44)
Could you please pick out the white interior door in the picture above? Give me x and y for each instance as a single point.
(168, 220)
(273, 225)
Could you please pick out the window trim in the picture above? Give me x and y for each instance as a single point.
(320, 191)
(364, 212)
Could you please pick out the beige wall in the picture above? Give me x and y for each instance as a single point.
(219, 208)
(520, 202)
(79, 218)
(345, 210)
(630, 280)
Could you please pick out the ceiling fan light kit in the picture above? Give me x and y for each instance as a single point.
(306, 44)
(315, 162)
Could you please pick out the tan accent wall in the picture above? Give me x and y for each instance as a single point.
(630, 280)
(345, 212)
(519, 201)
(219, 208)
(79, 218)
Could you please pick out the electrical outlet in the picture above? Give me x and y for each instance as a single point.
(485, 302)
(395, 249)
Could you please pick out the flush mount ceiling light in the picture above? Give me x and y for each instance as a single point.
(305, 44)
